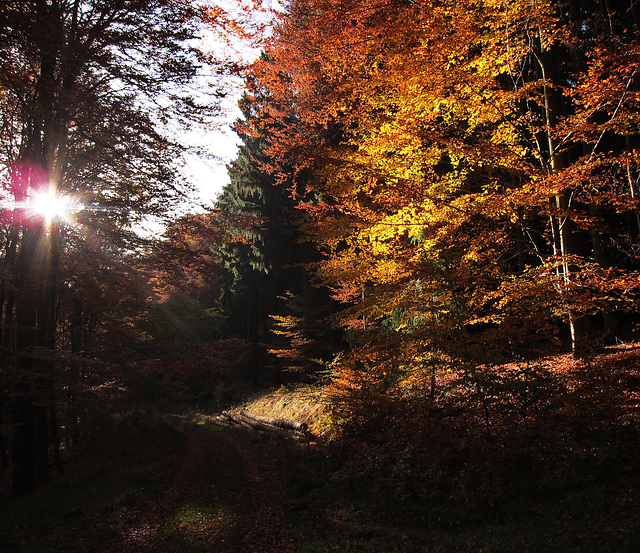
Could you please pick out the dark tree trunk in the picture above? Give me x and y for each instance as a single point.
(4, 457)
(41, 440)
(30, 441)
(24, 459)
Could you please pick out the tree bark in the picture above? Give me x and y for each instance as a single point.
(4, 458)
(565, 243)
(281, 423)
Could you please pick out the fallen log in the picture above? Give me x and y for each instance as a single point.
(280, 423)
(240, 419)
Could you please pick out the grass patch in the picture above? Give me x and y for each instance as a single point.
(295, 403)
(199, 527)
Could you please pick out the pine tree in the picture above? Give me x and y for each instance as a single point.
(267, 263)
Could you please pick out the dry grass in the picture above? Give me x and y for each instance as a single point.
(299, 404)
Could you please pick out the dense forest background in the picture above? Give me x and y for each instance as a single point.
(432, 220)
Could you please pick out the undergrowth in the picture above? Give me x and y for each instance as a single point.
(401, 473)
(397, 475)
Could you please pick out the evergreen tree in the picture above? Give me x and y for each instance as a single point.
(267, 263)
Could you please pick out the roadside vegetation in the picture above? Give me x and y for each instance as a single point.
(164, 476)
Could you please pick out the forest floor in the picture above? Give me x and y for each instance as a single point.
(186, 485)
(173, 480)
(173, 484)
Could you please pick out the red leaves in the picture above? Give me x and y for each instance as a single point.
(184, 261)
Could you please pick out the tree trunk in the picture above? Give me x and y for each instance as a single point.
(29, 420)
(4, 458)
(565, 243)
(601, 257)
(280, 423)
(23, 454)
(41, 440)
(55, 434)
(75, 373)
(40, 155)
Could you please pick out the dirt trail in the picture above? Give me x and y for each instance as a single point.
(263, 526)
(143, 533)
(265, 530)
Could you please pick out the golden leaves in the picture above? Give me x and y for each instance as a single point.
(459, 151)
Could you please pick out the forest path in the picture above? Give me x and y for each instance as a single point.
(265, 529)
(224, 495)
(160, 483)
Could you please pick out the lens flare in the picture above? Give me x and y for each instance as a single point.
(51, 205)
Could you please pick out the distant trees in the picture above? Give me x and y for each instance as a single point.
(244, 265)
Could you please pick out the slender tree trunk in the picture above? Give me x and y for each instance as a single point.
(23, 454)
(569, 246)
(565, 243)
(6, 334)
(54, 432)
(75, 374)
(51, 338)
(601, 257)
(4, 457)
(41, 438)
(632, 180)
(27, 417)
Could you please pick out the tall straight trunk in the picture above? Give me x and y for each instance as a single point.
(41, 439)
(632, 181)
(6, 332)
(565, 242)
(75, 374)
(601, 257)
(54, 432)
(30, 440)
(41, 154)
(569, 246)
(50, 333)
(6, 296)
(23, 454)
(4, 457)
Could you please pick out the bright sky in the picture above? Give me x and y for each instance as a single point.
(208, 173)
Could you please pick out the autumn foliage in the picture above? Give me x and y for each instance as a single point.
(431, 200)
(474, 188)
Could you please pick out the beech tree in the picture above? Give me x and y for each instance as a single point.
(474, 174)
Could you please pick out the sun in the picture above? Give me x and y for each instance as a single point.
(51, 205)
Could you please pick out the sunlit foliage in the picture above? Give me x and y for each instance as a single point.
(474, 180)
